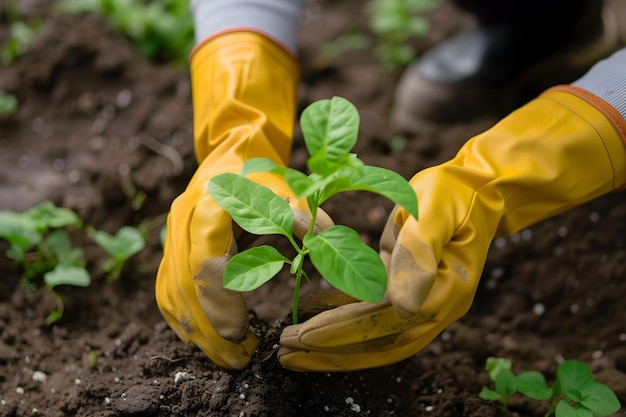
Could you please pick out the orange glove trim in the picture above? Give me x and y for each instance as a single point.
(605, 108)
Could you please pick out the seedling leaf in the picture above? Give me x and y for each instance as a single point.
(253, 206)
(574, 395)
(564, 409)
(19, 230)
(250, 269)
(347, 263)
(262, 165)
(380, 181)
(574, 374)
(505, 383)
(296, 180)
(59, 244)
(330, 128)
(67, 275)
(8, 103)
(127, 242)
(494, 365)
(47, 215)
(489, 394)
(600, 399)
(296, 264)
(533, 384)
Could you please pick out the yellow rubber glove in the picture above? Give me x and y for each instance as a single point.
(244, 97)
(560, 150)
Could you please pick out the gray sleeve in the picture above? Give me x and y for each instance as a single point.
(607, 80)
(280, 19)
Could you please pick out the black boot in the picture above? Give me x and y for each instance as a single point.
(515, 50)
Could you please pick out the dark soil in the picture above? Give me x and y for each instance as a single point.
(98, 127)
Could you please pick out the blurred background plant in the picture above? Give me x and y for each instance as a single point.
(161, 30)
(394, 24)
(42, 241)
(8, 103)
(19, 35)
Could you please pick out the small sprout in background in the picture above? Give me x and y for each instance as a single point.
(575, 392)
(64, 275)
(8, 104)
(330, 129)
(20, 36)
(39, 241)
(397, 144)
(159, 29)
(352, 39)
(396, 23)
(580, 392)
(505, 384)
(128, 241)
(34, 245)
(92, 360)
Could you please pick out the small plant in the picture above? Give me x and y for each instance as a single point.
(64, 275)
(159, 29)
(396, 22)
(330, 129)
(128, 241)
(575, 392)
(8, 103)
(39, 242)
(20, 34)
(40, 229)
(352, 39)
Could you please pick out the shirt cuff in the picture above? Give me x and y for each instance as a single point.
(278, 19)
(607, 80)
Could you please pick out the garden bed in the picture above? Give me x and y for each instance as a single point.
(98, 128)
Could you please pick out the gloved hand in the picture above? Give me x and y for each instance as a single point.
(244, 97)
(560, 150)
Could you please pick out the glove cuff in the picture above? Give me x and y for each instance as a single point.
(242, 32)
(609, 124)
(610, 112)
(279, 19)
(244, 90)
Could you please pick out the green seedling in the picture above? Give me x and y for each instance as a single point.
(330, 129)
(159, 29)
(352, 39)
(19, 36)
(64, 275)
(396, 23)
(127, 242)
(8, 103)
(575, 393)
(92, 360)
(39, 242)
